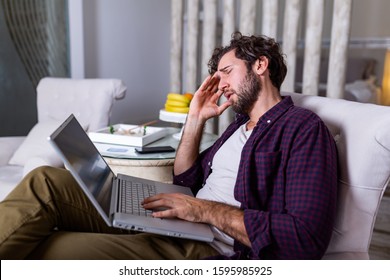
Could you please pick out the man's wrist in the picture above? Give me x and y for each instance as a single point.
(194, 123)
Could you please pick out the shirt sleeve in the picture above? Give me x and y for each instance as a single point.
(189, 178)
(194, 177)
(303, 227)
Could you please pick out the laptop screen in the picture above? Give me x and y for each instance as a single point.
(84, 161)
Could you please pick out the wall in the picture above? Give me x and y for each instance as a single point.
(370, 19)
(129, 40)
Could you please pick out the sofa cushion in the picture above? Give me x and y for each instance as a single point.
(10, 175)
(8, 146)
(36, 145)
(90, 100)
(35, 162)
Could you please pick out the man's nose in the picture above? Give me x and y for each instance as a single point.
(222, 84)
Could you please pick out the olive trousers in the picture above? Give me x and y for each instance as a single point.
(47, 216)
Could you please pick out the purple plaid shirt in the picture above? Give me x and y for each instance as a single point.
(286, 183)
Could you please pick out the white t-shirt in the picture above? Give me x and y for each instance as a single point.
(220, 184)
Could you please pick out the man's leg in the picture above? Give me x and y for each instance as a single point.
(143, 246)
(48, 216)
(46, 200)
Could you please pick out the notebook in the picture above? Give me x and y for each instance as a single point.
(117, 197)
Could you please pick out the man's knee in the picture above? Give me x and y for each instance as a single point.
(64, 246)
(45, 171)
(44, 179)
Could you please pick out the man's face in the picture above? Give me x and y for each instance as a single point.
(240, 86)
(247, 94)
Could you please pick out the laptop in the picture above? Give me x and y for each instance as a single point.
(117, 197)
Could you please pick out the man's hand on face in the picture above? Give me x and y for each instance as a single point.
(204, 104)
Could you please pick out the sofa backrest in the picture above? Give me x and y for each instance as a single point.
(362, 135)
(90, 100)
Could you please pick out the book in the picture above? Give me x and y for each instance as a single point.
(129, 135)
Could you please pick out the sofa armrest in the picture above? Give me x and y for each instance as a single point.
(8, 146)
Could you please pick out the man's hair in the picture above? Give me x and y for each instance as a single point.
(250, 49)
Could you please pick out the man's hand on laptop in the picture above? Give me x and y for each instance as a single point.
(175, 205)
(225, 217)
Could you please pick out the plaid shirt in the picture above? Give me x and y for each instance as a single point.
(286, 183)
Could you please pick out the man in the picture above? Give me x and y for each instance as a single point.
(267, 186)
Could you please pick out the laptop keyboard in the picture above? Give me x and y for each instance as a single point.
(133, 193)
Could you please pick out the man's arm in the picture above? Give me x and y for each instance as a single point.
(203, 107)
(228, 219)
(188, 149)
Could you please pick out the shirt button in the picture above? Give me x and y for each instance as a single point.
(269, 121)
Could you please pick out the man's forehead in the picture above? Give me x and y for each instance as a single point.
(227, 60)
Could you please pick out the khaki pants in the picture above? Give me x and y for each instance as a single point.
(47, 216)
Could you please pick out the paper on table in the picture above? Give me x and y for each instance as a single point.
(116, 151)
(128, 152)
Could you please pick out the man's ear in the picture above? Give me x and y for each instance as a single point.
(261, 65)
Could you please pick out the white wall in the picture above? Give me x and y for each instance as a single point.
(129, 40)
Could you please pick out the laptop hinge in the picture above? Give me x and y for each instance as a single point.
(115, 195)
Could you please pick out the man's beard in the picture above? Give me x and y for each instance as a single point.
(247, 94)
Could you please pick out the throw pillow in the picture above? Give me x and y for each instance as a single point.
(36, 145)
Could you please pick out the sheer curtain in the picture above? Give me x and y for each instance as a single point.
(34, 45)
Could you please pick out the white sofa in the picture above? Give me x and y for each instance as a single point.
(90, 100)
(362, 134)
